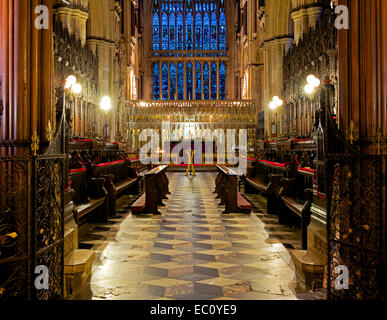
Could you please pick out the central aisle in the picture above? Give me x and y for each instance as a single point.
(191, 252)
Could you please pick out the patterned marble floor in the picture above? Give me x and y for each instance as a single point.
(192, 252)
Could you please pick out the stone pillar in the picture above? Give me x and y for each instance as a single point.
(298, 17)
(314, 14)
(273, 55)
(73, 18)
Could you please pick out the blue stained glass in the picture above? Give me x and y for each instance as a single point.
(214, 26)
(180, 32)
(189, 31)
(214, 81)
(189, 81)
(180, 81)
(198, 81)
(156, 82)
(203, 30)
(198, 32)
(156, 32)
(206, 32)
(172, 32)
(222, 82)
(206, 81)
(165, 81)
(165, 32)
(222, 32)
(172, 81)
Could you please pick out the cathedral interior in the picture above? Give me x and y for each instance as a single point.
(193, 149)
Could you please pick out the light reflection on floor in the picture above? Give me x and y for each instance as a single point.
(192, 252)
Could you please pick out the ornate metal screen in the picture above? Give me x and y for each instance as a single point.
(31, 226)
(15, 239)
(354, 219)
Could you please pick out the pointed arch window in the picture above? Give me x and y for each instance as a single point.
(180, 32)
(156, 81)
(222, 81)
(165, 32)
(206, 81)
(165, 81)
(198, 82)
(180, 81)
(156, 32)
(179, 28)
(214, 80)
(189, 81)
(222, 32)
(172, 81)
(189, 32)
(172, 32)
(206, 32)
(198, 32)
(214, 32)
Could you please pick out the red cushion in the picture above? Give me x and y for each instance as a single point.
(243, 203)
(139, 205)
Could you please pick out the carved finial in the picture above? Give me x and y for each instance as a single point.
(351, 130)
(50, 132)
(35, 142)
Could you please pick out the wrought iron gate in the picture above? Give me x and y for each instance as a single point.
(31, 225)
(355, 217)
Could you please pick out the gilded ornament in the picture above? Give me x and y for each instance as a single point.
(35, 142)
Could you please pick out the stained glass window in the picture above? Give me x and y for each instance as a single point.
(189, 81)
(222, 81)
(165, 32)
(206, 81)
(179, 28)
(180, 81)
(198, 82)
(206, 32)
(222, 32)
(165, 81)
(156, 81)
(198, 32)
(172, 32)
(214, 31)
(172, 82)
(180, 32)
(156, 32)
(214, 80)
(189, 32)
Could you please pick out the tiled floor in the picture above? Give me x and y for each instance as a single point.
(192, 252)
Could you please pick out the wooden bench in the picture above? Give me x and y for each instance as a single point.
(156, 189)
(227, 189)
(119, 178)
(293, 198)
(220, 183)
(141, 170)
(265, 177)
(89, 197)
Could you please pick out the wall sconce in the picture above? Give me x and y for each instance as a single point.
(106, 104)
(275, 103)
(312, 84)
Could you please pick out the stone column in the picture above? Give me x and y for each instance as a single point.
(297, 17)
(314, 14)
